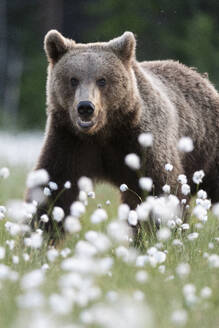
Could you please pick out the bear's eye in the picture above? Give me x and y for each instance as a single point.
(101, 82)
(74, 82)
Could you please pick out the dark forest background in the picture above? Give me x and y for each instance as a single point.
(186, 30)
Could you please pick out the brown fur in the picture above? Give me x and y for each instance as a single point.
(165, 98)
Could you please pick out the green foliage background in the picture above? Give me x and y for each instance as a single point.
(182, 30)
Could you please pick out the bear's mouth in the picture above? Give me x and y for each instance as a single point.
(85, 124)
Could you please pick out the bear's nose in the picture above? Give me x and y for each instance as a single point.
(85, 108)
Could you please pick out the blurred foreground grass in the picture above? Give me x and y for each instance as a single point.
(162, 291)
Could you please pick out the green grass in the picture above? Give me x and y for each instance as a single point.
(163, 295)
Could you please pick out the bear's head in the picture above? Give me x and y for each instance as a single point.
(94, 83)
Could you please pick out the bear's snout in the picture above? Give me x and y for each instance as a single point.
(85, 109)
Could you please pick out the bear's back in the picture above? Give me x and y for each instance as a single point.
(188, 90)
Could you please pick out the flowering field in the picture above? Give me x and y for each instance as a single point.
(94, 276)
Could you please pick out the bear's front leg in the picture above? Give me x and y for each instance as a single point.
(59, 158)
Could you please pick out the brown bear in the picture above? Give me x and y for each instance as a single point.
(100, 99)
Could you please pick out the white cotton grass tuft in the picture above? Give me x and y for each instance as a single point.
(163, 234)
(133, 218)
(67, 185)
(185, 189)
(123, 212)
(146, 183)
(185, 144)
(133, 161)
(99, 215)
(53, 185)
(168, 167)
(32, 279)
(37, 178)
(182, 179)
(166, 188)
(72, 224)
(20, 211)
(179, 317)
(85, 184)
(123, 187)
(183, 270)
(145, 139)
(77, 209)
(4, 172)
(198, 177)
(58, 214)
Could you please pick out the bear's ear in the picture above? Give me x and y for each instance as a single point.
(56, 45)
(124, 46)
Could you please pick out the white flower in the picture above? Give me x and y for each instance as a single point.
(133, 218)
(58, 214)
(15, 259)
(213, 261)
(67, 185)
(132, 161)
(185, 144)
(44, 218)
(146, 183)
(141, 276)
(72, 224)
(166, 189)
(198, 176)
(20, 211)
(82, 196)
(165, 208)
(145, 139)
(123, 187)
(60, 304)
(168, 167)
(99, 240)
(143, 211)
(192, 236)
(53, 185)
(200, 212)
(179, 317)
(185, 189)
(65, 252)
(32, 279)
(91, 194)
(4, 172)
(85, 249)
(171, 224)
(185, 226)
(99, 215)
(163, 234)
(77, 209)
(202, 194)
(182, 179)
(177, 242)
(31, 299)
(179, 221)
(26, 257)
(183, 269)
(52, 254)
(37, 178)
(47, 191)
(118, 231)
(206, 292)
(85, 184)
(123, 212)
(35, 240)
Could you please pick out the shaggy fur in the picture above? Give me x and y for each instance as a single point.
(165, 98)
